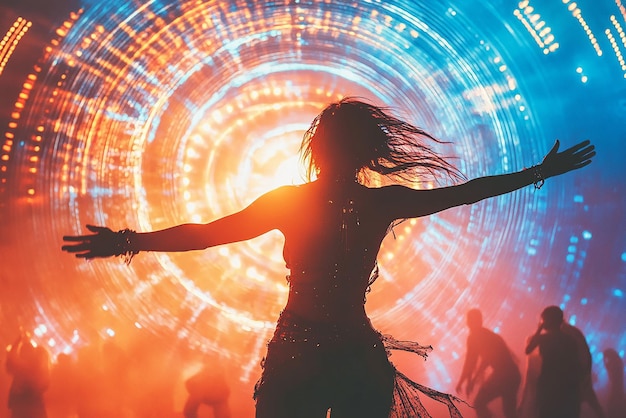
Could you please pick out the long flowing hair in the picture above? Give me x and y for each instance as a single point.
(351, 137)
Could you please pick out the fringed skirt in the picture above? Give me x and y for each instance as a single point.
(313, 367)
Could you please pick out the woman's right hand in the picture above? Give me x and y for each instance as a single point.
(102, 243)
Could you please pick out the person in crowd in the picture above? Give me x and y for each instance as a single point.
(616, 397)
(489, 359)
(208, 387)
(558, 387)
(28, 364)
(588, 394)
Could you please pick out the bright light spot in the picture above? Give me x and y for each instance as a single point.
(288, 172)
(512, 84)
(235, 261)
(40, 330)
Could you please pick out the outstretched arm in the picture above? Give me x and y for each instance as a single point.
(414, 203)
(260, 217)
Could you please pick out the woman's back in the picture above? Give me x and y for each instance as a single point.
(333, 231)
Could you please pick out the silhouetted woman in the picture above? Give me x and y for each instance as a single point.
(324, 353)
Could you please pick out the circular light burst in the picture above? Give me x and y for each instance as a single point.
(167, 113)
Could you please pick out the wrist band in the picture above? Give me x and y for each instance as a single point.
(123, 246)
(538, 175)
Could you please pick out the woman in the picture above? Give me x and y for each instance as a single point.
(324, 353)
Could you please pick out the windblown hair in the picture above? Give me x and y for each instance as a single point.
(352, 136)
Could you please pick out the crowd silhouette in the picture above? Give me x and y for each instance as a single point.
(559, 376)
(145, 378)
(29, 368)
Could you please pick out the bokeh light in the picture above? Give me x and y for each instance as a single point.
(150, 114)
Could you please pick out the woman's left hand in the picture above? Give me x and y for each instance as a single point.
(556, 163)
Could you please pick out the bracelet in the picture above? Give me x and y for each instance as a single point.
(123, 245)
(538, 175)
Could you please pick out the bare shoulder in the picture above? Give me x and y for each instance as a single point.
(281, 193)
(279, 201)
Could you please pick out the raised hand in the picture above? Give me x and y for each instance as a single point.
(102, 243)
(556, 163)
